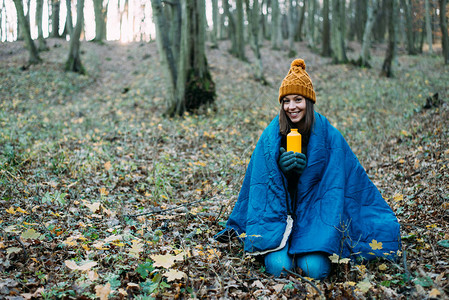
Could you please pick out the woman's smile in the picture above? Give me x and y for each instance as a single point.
(294, 107)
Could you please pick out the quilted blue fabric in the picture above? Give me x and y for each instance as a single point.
(339, 209)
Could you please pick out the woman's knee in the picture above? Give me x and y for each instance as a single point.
(275, 262)
(314, 265)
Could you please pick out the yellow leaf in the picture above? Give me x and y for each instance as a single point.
(21, 210)
(113, 238)
(107, 166)
(173, 275)
(119, 244)
(383, 267)
(242, 236)
(103, 191)
(11, 210)
(375, 245)
(398, 197)
(103, 291)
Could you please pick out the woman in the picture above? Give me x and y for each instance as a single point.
(296, 209)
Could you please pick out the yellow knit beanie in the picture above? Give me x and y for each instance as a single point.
(297, 82)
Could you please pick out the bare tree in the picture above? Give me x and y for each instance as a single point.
(191, 85)
(32, 50)
(100, 20)
(428, 26)
(253, 24)
(311, 11)
(392, 7)
(292, 26)
(68, 27)
(276, 35)
(410, 35)
(366, 41)
(443, 26)
(338, 31)
(74, 60)
(42, 46)
(215, 24)
(239, 31)
(55, 8)
(326, 45)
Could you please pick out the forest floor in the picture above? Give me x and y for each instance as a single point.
(102, 196)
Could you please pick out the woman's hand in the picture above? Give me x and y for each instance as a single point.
(292, 162)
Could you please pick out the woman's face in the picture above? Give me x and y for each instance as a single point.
(294, 107)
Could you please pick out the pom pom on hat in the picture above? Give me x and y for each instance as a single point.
(298, 63)
(297, 82)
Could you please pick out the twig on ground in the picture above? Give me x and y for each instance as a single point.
(306, 280)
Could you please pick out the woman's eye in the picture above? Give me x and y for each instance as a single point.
(286, 101)
(298, 100)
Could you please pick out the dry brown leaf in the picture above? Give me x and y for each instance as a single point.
(173, 275)
(103, 291)
(84, 267)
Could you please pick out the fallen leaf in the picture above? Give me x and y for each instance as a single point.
(136, 248)
(364, 286)
(94, 207)
(383, 267)
(173, 275)
(107, 165)
(103, 291)
(434, 293)
(92, 275)
(84, 267)
(375, 245)
(11, 210)
(13, 250)
(18, 209)
(37, 293)
(30, 234)
(167, 260)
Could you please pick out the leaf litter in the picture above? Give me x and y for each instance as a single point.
(100, 196)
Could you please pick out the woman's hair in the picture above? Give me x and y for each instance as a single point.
(305, 126)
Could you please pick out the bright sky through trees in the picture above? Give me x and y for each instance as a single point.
(137, 26)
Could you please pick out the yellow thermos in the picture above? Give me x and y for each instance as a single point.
(294, 141)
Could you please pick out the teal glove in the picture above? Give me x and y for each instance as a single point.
(291, 162)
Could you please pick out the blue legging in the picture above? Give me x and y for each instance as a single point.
(314, 264)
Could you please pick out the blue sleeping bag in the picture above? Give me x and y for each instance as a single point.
(338, 210)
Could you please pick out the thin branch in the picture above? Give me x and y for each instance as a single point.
(306, 280)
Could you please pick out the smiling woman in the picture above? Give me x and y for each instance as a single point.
(295, 209)
(126, 21)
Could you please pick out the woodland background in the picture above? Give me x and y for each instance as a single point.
(119, 160)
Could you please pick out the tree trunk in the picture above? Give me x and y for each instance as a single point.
(68, 21)
(443, 26)
(165, 50)
(428, 26)
(292, 21)
(338, 32)
(55, 7)
(302, 17)
(311, 10)
(232, 28)
(275, 25)
(100, 21)
(387, 69)
(74, 60)
(240, 38)
(32, 50)
(253, 24)
(215, 26)
(195, 86)
(366, 44)
(410, 35)
(326, 47)
(42, 46)
(360, 17)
